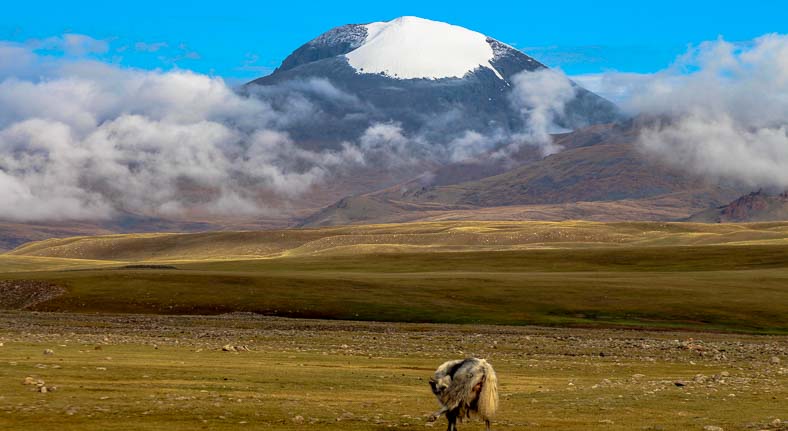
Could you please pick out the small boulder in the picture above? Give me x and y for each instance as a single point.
(680, 383)
(49, 352)
(774, 360)
(345, 416)
(712, 428)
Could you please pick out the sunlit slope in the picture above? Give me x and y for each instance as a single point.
(9, 263)
(397, 238)
(660, 275)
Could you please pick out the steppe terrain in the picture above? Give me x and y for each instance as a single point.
(591, 326)
(729, 278)
(242, 371)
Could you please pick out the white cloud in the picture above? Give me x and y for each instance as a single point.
(727, 111)
(541, 96)
(150, 46)
(614, 86)
(73, 44)
(720, 110)
(720, 147)
(89, 139)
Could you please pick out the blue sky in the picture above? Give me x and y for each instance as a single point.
(242, 40)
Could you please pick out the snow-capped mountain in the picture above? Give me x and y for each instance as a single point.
(432, 77)
(413, 48)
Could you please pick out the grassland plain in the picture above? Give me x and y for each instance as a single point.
(643, 275)
(131, 372)
(118, 343)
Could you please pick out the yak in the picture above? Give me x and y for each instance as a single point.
(465, 387)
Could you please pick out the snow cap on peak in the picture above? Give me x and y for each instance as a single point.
(410, 48)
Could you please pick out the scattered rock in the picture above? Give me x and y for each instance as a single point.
(774, 360)
(231, 348)
(680, 383)
(712, 428)
(49, 352)
(345, 416)
(38, 383)
(21, 294)
(776, 423)
(298, 419)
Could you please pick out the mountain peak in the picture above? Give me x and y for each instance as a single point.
(432, 79)
(410, 47)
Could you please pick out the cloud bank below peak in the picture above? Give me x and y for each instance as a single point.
(82, 139)
(721, 109)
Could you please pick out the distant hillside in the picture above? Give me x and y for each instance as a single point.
(728, 277)
(445, 236)
(13, 235)
(753, 207)
(598, 166)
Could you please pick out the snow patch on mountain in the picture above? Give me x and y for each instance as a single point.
(413, 48)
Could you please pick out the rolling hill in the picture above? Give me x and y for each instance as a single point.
(448, 236)
(598, 167)
(728, 277)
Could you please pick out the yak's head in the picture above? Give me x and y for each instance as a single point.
(439, 385)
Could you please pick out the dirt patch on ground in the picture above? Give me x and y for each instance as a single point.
(22, 294)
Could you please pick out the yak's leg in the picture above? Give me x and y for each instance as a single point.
(452, 418)
(433, 417)
(487, 425)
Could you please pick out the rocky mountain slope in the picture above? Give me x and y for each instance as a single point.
(598, 166)
(431, 77)
(753, 207)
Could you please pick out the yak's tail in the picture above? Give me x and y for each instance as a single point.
(488, 398)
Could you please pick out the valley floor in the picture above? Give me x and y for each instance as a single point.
(131, 372)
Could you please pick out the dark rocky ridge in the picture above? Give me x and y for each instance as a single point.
(752, 207)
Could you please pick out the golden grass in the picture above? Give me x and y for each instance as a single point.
(667, 275)
(408, 237)
(157, 373)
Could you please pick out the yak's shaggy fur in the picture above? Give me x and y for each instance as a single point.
(465, 387)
